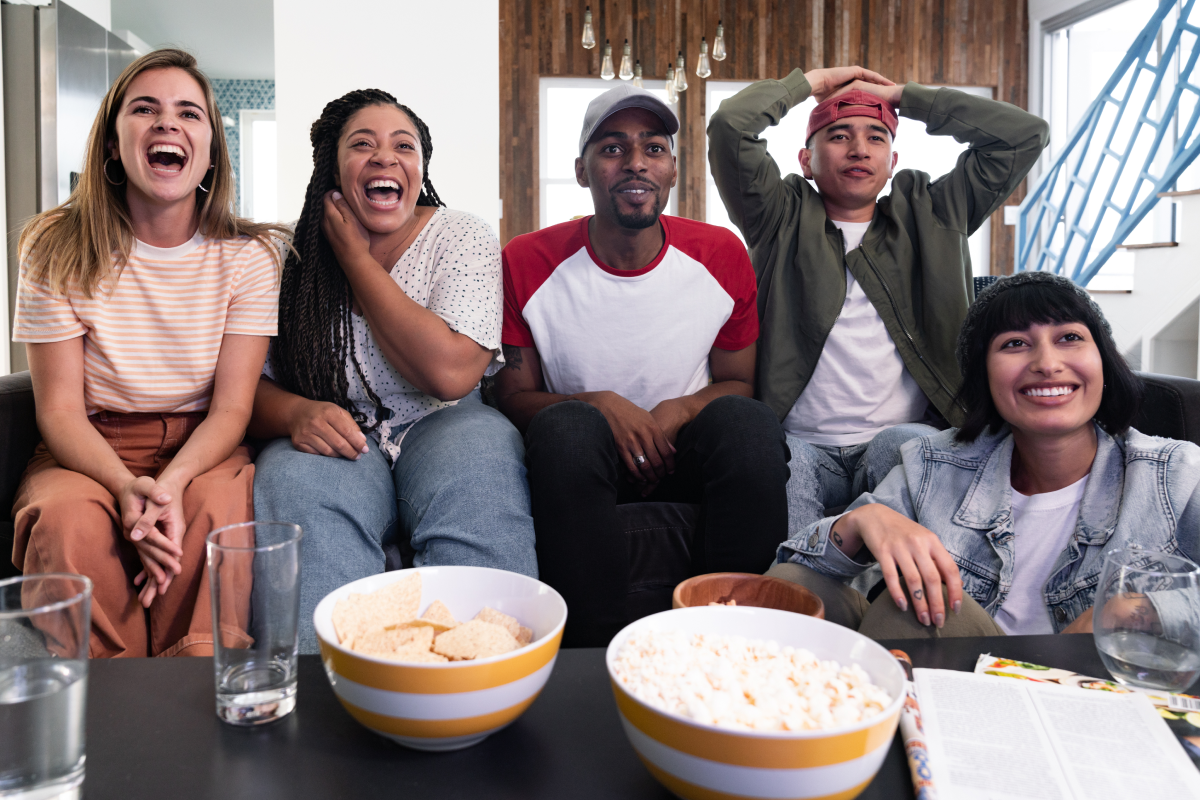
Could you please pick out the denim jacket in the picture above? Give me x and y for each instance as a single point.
(1142, 491)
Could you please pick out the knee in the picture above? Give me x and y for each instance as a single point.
(744, 429)
(565, 426)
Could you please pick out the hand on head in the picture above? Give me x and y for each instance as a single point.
(826, 83)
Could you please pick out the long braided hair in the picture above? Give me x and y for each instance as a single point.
(315, 328)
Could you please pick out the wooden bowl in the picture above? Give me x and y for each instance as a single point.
(746, 589)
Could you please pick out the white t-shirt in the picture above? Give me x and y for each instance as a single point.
(1042, 526)
(453, 269)
(860, 385)
(645, 334)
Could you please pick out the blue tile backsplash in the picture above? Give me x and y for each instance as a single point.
(232, 96)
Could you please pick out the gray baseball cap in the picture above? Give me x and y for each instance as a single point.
(619, 98)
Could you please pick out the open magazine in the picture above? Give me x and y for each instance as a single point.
(994, 738)
(1180, 711)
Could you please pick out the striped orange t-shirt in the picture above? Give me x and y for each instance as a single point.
(151, 343)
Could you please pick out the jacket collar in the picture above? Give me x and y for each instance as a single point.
(988, 502)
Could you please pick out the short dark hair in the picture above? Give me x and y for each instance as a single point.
(1014, 304)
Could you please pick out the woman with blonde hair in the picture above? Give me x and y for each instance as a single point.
(146, 306)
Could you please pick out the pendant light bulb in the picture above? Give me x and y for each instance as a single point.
(718, 53)
(626, 63)
(703, 69)
(589, 33)
(672, 92)
(606, 69)
(681, 83)
(637, 75)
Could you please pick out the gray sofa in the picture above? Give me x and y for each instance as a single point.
(660, 533)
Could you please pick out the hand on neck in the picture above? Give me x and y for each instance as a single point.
(624, 248)
(1043, 463)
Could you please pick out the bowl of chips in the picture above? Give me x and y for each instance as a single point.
(743, 702)
(439, 658)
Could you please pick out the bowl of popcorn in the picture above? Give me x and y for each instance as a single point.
(740, 702)
(439, 658)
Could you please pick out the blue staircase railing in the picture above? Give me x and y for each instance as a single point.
(1061, 224)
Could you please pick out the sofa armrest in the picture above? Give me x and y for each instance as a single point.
(1170, 408)
(18, 434)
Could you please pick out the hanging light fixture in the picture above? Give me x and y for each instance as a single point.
(606, 69)
(637, 74)
(681, 83)
(626, 63)
(672, 92)
(719, 43)
(703, 69)
(589, 33)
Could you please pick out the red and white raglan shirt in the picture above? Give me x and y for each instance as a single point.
(644, 334)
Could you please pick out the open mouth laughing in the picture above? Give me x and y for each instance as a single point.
(1060, 390)
(382, 193)
(166, 158)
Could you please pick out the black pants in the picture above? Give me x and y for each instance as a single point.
(731, 459)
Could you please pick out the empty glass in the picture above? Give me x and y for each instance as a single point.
(1147, 619)
(254, 572)
(45, 622)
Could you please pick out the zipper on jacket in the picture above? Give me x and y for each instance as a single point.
(900, 319)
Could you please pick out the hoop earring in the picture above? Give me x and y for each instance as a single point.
(200, 185)
(108, 177)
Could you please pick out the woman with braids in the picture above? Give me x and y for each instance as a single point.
(147, 308)
(389, 316)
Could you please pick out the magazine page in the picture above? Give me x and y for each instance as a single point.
(986, 740)
(1114, 746)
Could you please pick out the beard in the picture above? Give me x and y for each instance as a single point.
(637, 220)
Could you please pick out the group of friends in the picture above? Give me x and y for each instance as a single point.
(981, 448)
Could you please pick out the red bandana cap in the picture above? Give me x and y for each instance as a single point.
(856, 103)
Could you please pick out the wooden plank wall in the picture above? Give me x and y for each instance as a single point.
(947, 42)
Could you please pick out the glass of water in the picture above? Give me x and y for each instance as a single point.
(45, 622)
(254, 572)
(1147, 619)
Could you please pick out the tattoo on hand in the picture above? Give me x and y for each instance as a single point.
(512, 357)
(918, 594)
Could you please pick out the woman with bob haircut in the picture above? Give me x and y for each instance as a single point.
(1007, 519)
(389, 317)
(146, 306)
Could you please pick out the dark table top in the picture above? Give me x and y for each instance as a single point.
(152, 733)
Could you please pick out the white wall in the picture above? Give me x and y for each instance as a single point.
(440, 59)
(98, 10)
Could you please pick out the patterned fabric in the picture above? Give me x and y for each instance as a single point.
(453, 269)
(151, 341)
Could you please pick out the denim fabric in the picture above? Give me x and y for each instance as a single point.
(458, 488)
(1143, 491)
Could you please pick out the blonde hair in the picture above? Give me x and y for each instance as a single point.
(75, 244)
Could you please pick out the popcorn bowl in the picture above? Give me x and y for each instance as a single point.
(697, 761)
(457, 704)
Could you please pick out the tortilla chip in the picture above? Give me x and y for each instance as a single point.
(415, 656)
(359, 614)
(436, 627)
(388, 642)
(437, 612)
(524, 635)
(474, 639)
(499, 618)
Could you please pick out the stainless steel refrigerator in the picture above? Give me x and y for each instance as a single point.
(58, 63)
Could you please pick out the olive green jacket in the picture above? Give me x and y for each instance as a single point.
(913, 264)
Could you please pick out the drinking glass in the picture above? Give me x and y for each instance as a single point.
(254, 573)
(1147, 619)
(45, 622)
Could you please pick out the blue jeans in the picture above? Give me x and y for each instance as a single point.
(458, 489)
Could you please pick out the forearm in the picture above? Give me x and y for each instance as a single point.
(274, 410)
(213, 441)
(691, 405)
(76, 445)
(521, 407)
(416, 342)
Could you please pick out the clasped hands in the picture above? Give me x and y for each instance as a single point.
(152, 519)
(649, 434)
(827, 83)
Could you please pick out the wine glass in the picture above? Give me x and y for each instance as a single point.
(1147, 619)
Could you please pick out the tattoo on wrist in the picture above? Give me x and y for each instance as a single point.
(918, 594)
(512, 357)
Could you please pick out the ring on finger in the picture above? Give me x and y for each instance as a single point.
(639, 459)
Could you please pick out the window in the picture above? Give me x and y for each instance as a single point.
(563, 103)
(259, 167)
(918, 150)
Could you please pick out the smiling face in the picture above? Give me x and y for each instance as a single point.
(379, 169)
(629, 168)
(163, 138)
(1047, 380)
(850, 161)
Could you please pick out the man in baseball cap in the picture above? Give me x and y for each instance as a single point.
(860, 296)
(629, 342)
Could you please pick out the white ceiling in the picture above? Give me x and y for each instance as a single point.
(230, 38)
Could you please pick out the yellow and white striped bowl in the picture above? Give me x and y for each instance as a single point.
(454, 705)
(703, 762)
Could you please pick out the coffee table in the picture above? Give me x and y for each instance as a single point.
(152, 733)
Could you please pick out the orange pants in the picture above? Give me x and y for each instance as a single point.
(67, 522)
